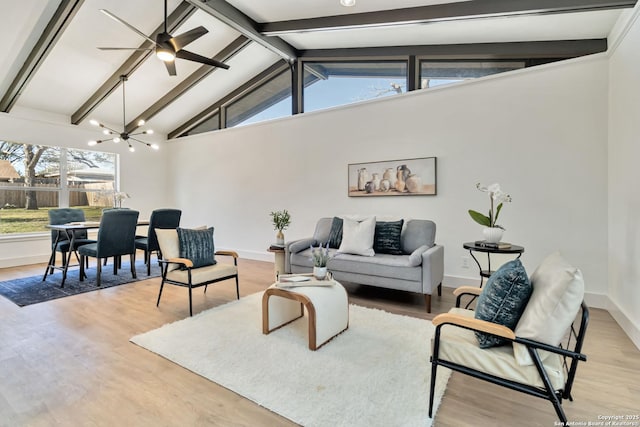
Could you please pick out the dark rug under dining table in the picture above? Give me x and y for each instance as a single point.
(32, 290)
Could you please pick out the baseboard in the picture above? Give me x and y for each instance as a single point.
(16, 262)
(632, 330)
(457, 281)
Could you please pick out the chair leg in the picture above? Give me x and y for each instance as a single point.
(82, 257)
(147, 260)
(132, 261)
(99, 271)
(160, 293)
(432, 388)
(237, 288)
(190, 303)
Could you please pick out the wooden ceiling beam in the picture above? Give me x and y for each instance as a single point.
(246, 26)
(440, 12)
(50, 36)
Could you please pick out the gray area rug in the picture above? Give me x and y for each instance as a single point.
(376, 373)
(32, 290)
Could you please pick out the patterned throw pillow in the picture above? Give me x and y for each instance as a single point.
(335, 235)
(197, 245)
(503, 300)
(386, 239)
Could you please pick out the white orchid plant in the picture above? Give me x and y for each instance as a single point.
(497, 198)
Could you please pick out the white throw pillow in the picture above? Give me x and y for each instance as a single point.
(357, 237)
(558, 291)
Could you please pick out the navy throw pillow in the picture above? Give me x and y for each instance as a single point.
(503, 300)
(197, 246)
(335, 235)
(386, 239)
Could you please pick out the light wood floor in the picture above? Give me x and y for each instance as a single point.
(69, 362)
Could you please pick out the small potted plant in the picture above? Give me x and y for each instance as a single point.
(320, 257)
(281, 220)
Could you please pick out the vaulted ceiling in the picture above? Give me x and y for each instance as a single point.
(51, 67)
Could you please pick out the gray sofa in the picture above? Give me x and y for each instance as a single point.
(420, 267)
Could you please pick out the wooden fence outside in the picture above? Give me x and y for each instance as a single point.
(100, 196)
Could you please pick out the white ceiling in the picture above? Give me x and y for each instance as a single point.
(74, 69)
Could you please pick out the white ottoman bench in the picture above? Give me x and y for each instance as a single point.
(326, 303)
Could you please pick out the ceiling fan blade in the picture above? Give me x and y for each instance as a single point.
(171, 67)
(123, 22)
(124, 48)
(190, 56)
(181, 40)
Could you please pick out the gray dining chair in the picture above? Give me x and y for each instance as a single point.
(160, 219)
(60, 241)
(116, 237)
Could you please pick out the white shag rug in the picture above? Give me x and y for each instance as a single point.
(376, 373)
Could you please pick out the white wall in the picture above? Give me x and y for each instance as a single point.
(624, 176)
(143, 175)
(540, 132)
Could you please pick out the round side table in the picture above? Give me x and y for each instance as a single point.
(278, 267)
(477, 247)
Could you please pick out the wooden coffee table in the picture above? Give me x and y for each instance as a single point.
(326, 302)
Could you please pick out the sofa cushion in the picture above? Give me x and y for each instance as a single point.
(197, 245)
(418, 232)
(383, 265)
(503, 300)
(323, 228)
(558, 291)
(357, 237)
(303, 257)
(386, 239)
(335, 234)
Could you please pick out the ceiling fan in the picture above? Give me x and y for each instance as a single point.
(168, 47)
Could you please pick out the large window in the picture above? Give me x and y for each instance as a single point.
(268, 101)
(36, 178)
(329, 84)
(438, 73)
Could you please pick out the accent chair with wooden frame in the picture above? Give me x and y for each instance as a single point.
(524, 364)
(181, 271)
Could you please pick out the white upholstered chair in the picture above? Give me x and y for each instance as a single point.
(542, 352)
(180, 270)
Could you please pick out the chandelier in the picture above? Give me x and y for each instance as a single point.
(116, 136)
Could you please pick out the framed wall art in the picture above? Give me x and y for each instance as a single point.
(407, 177)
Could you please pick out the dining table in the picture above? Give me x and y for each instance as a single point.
(70, 230)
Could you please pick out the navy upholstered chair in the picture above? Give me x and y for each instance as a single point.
(162, 219)
(60, 241)
(116, 237)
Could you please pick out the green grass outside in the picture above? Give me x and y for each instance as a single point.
(14, 221)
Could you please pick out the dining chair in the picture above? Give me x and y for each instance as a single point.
(160, 219)
(60, 241)
(116, 237)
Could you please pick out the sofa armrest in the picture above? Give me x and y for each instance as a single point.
(294, 247)
(432, 268)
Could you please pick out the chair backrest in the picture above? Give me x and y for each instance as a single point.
(117, 233)
(163, 219)
(63, 216)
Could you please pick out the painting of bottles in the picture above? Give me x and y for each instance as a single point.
(407, 177)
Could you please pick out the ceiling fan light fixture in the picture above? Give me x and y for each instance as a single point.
(148, 132)
(106, 132)
(116, 139)
(348, 3)
(141, 122)
(155, 146)
(94, 122)
(131, 148)
(164, 54)
(93, 143)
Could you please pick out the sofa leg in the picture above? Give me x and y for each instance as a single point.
(427, 300)
(440, 290)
